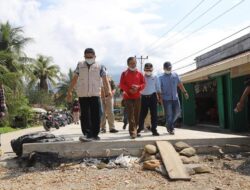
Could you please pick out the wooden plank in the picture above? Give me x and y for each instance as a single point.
(172, 161)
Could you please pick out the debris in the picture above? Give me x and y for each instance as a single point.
(151, 164)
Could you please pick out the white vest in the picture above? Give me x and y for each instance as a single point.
(89, 80)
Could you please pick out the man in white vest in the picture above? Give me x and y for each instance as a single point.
(88, 79)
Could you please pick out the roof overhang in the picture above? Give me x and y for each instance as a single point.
(219, 68)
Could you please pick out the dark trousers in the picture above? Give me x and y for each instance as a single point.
(133, 110)
(148, 102)
(90, 116)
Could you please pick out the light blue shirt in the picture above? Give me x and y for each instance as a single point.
(152, 85)
(169, 84)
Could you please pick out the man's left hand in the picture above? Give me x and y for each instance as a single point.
(186, 95)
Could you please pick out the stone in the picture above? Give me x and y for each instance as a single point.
(158, 156)
(201, 169)
(162, 170)
(151, 164)
(101, 165)
(198, 168)
(149, 157)
(194, 159)
(185, 160)
(190, 170)
(151, 149)
(179, 146)
(188, 152)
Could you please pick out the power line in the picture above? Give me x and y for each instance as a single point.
(173, 27)
(194, 20)
(185, 66)
(184, 58)
(141, 60)
(214, 19)
(211, 45)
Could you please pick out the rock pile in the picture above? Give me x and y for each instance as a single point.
(152, 160)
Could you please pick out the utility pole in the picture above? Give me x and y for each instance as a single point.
(141, 60)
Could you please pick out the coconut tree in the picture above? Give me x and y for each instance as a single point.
(63, 87)
(12, 43)
(44, 73)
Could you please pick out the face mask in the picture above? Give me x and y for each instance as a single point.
(132, 69)
(148, 73)
(168, 72)
(90, 61)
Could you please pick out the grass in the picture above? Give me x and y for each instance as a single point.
(7, 129)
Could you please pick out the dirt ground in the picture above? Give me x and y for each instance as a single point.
(230, 173)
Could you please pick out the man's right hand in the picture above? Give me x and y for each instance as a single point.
(132, 91)
(69, 97)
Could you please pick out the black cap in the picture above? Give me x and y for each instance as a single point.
(148, 66)
(89, 50)
(167, 65)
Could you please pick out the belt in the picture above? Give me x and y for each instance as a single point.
(148, 96)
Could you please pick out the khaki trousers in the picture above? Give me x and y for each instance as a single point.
(107, 105)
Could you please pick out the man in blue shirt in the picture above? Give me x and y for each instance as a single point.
(169, 82)
(149, 98)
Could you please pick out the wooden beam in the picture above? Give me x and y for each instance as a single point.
(172, 161)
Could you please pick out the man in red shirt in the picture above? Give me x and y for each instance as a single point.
(132, 82)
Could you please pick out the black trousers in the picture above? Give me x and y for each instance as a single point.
(90, 115)
(148, 102)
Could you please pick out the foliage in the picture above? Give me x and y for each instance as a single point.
(44, 73)
(63, 87)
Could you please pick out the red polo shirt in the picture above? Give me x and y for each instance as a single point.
(130, 78)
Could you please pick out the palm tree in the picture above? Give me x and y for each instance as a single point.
(63, 87)
(44, 73)
(12, 43)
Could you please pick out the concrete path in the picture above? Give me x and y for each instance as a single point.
(74, 131)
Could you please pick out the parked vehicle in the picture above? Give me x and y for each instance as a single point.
(50, 122)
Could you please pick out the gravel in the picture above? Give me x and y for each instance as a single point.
(226, 174)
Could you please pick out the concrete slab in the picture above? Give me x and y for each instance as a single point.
(113, 144)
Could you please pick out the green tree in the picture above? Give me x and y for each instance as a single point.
(63, 87)
(44, 73)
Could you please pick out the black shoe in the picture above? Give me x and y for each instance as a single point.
(103, 130)
(84, 139)
(113, 131)
(138, 135)
(124, 126)
(97, 138)
(171, 132)
(155, 133)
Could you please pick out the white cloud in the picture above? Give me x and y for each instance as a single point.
(115, 29)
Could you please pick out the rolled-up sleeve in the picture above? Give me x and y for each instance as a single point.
(103, 71)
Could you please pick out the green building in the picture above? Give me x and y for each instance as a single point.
(216, 86)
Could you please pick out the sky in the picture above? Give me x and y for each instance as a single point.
(163, 30)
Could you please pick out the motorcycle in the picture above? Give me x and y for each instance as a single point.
(49, 122)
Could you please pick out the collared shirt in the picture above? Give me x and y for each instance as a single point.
(130, 78)
(103, 71)
(169, 84)
(152, 85)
